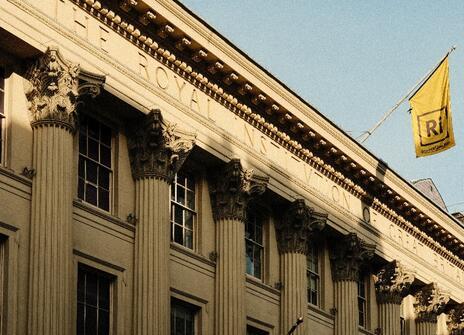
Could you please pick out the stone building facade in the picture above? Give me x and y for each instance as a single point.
(155, 180)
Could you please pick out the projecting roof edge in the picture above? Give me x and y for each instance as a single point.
(194, 62)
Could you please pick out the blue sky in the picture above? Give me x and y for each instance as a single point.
(353, 60)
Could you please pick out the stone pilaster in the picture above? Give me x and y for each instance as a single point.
(430, 302)
(157, 150)
(293, 235)
(455, 321)
(392, 284)
(231, 190)
(348, 254)
(51, 91)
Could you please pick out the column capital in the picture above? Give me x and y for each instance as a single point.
(348, 254)
(298, 224)
(430, 302)
(52, 90)
(157, 148)
(392, 283)
(455, 321)
(232, 188)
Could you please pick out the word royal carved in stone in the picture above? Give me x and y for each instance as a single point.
(157, 149)
(298, 225)
(392, 283)
(232, 188)
(430, 302)
(348, 255)
(52, 90)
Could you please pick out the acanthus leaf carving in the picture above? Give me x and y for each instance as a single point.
(392, 283)
(157, 149)
(52, 90)
(455, 321)
(232, 188)
(297, 227)
(430, 302)
(348, 255)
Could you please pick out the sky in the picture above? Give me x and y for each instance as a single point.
(354, 60)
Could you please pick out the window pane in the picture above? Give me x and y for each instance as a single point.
(180, 195)
(178, 234)
(179, 215)
(190, 200)
(80, 188)
(80, 319)
(91, 290)
(90, 321)
(105, 135)
(91, 172)
(92, 127)
(82, 144)
(103, 199)
(188, 219)
(93, 149)
(188, 239)
(104, 178)
(105, 155)
(103, 323)
(103, 294)
(91, 194)
(81, 287)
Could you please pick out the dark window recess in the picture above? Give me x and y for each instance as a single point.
(183, 214)
(255, 331)
(254, 244)
(94, 169)
(93, 302)
(312, 272)
(182, 319)
(362, 302)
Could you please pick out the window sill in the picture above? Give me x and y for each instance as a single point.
(363, 330)
(102, 214)
(255, 281)
(320, 311)
(191, 253)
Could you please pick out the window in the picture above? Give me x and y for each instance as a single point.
(402, 326)
(183, 214)
(182, 318)
(362, 302)
(255, 331)
(2, 115)
(93, 301)
(254, 244)
(94, 163)
(312, 273)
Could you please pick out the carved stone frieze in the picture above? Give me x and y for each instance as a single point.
(430, 302)
(232, 188)
(455, 321)
(52, 90)
(392, 283)
(348, 254)
(298, 225)
(157, 149)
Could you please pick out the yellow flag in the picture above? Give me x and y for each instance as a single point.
(431, 114)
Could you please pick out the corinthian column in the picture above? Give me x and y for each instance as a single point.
(348, 255)
(51, 91)
(392, 284)
(455, 320)
(430, 302)
(299, 224)
(157, 150)
(231, 190)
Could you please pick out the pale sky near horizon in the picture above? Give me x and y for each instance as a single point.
(353, 60)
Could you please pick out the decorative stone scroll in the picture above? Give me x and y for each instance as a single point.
(232, 188)
(348, 255)
(299, 223)
(392, 283)
(430, 302)
(52, 90)
(455, 320)
(157, 149)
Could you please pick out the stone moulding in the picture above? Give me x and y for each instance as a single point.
(232, 188)
(299, 224)
(345, 163)
(157, 148)
(392, 283)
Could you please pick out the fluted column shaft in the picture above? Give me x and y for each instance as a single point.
(294, 294)
(346, 305)
(426, 328)
(389, 318)
(51, 241)
(230, 314)
(151, 298)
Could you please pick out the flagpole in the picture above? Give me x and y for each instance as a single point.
(362, 138)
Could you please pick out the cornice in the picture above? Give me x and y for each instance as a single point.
(262, 112)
